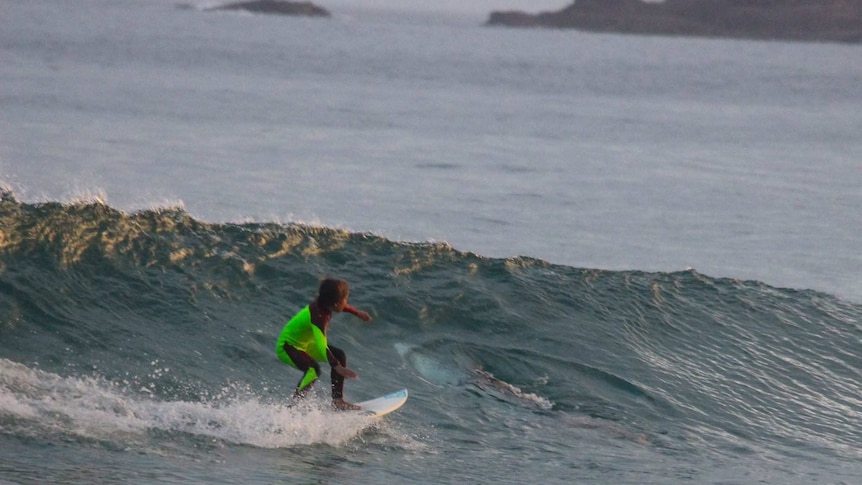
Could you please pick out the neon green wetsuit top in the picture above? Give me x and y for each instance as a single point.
(301, 334)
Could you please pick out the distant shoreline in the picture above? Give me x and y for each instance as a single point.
(794, 20)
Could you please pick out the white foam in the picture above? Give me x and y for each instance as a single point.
(493, 384)
(39, 402)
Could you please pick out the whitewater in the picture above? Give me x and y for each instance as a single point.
(590, 258)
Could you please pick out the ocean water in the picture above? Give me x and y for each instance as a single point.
(590, 258)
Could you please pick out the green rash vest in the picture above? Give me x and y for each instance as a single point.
(301, 334)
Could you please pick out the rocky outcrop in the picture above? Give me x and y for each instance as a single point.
(800, 20)
(279, 7)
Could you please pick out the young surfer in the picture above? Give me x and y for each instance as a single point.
(302, 343)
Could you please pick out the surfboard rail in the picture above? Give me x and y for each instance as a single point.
(384, 405)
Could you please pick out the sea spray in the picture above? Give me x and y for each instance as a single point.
(43, 404)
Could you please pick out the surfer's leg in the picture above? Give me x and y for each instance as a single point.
(307, 380)
(338, 402)
(309, 367)
(336, 378)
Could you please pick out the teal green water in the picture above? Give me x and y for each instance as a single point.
(139, 347)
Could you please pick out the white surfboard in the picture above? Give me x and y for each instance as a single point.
(385, 404)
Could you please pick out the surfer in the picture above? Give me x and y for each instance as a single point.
(302, 343)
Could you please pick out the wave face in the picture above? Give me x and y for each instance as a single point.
(114, 323)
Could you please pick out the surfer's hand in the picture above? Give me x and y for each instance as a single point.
(345, 372)
(364, 316)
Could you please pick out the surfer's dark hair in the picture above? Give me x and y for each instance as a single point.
(331, 292)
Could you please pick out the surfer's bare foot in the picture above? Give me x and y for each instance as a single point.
(341, 405)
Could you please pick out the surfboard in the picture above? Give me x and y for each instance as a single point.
(383, 405)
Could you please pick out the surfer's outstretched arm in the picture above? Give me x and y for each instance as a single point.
(364, 316)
